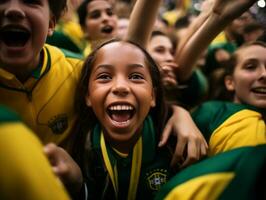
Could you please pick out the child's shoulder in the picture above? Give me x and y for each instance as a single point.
(62, 56)
(57, 53)
(218, 106)
(212, 114)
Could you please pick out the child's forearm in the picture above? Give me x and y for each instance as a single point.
(189, 52)
(142, 20)
(223, 12)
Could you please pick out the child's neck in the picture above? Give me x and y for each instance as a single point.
(127, 146)
(24, 72)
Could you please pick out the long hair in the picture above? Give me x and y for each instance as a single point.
(86, 117)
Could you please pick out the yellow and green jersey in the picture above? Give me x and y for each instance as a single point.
(46, 100)
(236, 174)
(227, 125)
(25, 172)
(113, 174)
(68, 35)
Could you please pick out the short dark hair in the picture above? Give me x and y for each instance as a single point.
(57, 7)
(82, 11)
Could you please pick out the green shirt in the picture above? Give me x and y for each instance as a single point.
(236, 174)
(227, 125)
(155, 170)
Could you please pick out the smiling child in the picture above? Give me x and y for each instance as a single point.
(121, 106)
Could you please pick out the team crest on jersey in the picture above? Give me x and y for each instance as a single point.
(58, 124)
(156, 178)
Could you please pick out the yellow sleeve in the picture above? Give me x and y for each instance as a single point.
(25, 172)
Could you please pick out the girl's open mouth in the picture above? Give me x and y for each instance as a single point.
(107, 29)
(259, 90)
(121, 113)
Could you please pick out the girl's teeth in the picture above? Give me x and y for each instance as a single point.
(121, 107)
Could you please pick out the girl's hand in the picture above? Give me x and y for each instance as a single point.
(228, 10)
(168, 76)
(190, 141)
(65, 168)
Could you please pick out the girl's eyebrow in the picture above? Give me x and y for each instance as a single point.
(251, 59)
(136, 65)
(109, 66)
(104, 66)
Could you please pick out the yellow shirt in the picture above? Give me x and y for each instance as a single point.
(45, 102)
(24, 169)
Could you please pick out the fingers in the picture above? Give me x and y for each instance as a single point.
(169, 82)
(166, 134)
(64, 167)
(195, 151)
(57, 158)
(50, 150)
(179, 151)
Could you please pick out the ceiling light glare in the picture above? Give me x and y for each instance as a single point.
(261, 3)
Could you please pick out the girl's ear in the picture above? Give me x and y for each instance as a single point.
(153, 101)
(52, 23)
(88, 100)
(229, 83)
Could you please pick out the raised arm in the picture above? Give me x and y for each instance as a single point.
(142, 20)
(204, 31)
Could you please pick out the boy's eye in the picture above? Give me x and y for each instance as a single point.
(109, 12)
(3, 1)
(95, 14)
(32, 1)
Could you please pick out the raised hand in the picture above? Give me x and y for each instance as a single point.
(231, 9)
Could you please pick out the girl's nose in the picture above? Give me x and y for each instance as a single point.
(169, 57)
(263, 72)
(120, 87)
(105, 16)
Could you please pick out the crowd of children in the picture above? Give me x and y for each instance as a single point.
(97, 114)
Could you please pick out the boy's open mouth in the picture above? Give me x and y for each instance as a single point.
(14, 36)
(121, 113)
(107, 29)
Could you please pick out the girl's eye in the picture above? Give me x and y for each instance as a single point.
(250, 66)
(95, 14)
(104, 77)
(136, 76)
(160, 50)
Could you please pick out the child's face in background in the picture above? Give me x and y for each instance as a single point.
(24, 26)
(120, 91)
(101, 22)
(249, 78)
(161, 49)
